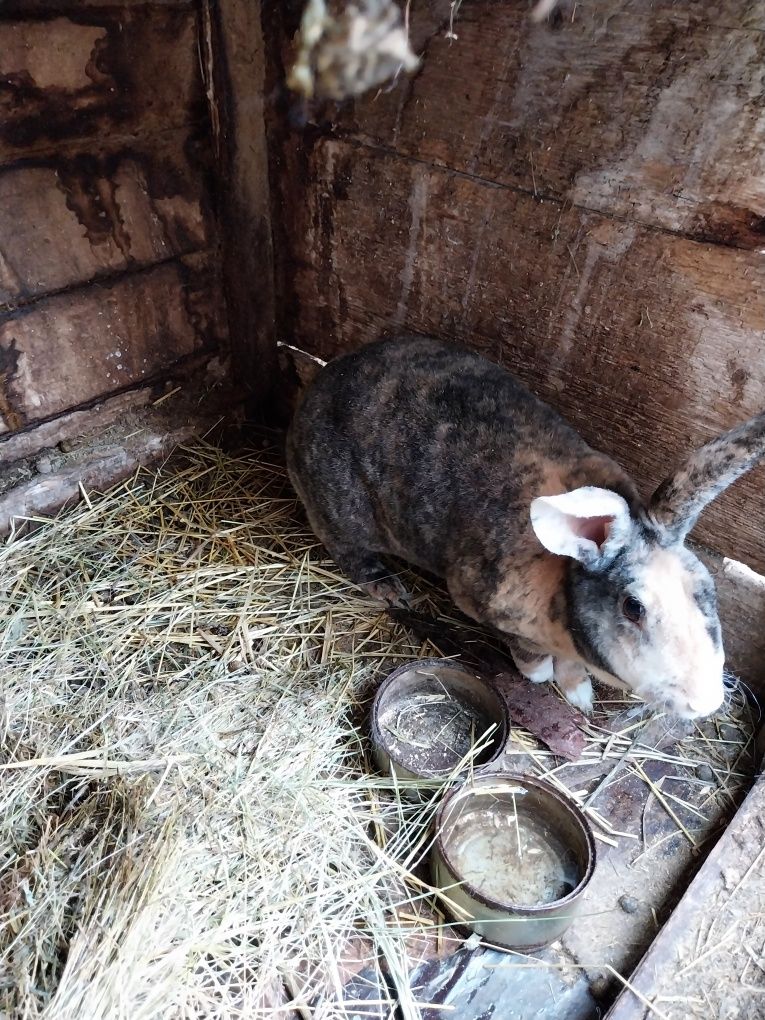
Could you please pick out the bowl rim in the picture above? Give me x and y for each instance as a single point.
(392, 679)
(521, 779)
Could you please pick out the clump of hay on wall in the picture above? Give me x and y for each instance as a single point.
(346, 49)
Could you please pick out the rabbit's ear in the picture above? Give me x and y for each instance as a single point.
(704, 474)
(587, 524)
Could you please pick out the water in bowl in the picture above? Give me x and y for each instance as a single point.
(511, 855)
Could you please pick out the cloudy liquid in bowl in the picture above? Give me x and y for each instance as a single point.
(510, 855)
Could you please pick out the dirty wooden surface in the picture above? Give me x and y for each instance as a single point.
(708, 958)
(95, 75)
(70, 348)
(92, 448)
(80, 215)
(111, 287)
(235, 76)
(651, 111)
(583, 202)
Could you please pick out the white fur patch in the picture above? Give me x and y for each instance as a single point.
(581, 696)
(541, 673)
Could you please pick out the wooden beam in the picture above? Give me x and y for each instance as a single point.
(100, 462)
(234, 67)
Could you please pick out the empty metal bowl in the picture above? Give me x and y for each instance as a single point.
(513, 857)
(429, 715)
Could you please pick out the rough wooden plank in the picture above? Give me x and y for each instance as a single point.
(25, 446)
(100, 74)
(78, 346)
(78, 215)
(106, 458)
(235, 67)
(648, 342)
(697, 966)
(741, 598)
(650, 111)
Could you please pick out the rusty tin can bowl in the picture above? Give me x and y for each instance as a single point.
(475, 810)
(412, 710)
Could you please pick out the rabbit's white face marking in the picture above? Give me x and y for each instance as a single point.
(639, 611)
(674, 654)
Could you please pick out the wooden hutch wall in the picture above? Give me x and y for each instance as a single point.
(583, 201)
(120, 171)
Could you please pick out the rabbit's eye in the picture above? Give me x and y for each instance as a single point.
(633, 609)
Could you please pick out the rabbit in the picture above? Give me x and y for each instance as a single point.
(423, 450)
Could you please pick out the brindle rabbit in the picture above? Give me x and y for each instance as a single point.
(423, 450)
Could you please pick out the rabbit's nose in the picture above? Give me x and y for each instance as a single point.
(707, 702)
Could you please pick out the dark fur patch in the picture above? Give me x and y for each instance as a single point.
(705, 598)
(588, 596)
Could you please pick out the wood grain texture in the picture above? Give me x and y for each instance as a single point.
(701, 947)
(103, 462)
(235, 68)
(650, 111)
(68, 349)
(81, 214)
(648, 342)
(96, 74)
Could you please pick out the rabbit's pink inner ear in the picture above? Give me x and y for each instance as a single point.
(596, 529)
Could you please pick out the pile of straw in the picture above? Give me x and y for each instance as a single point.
(189, 827)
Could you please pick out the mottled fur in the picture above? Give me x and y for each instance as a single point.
(679, 500)
(425, 451)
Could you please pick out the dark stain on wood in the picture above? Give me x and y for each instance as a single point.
(730, 224)
(95, 73)
(10, 418)
(83, 215)
(129, 330)
(110, 280)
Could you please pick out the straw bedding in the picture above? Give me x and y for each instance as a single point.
(188, 827)
(185, 823)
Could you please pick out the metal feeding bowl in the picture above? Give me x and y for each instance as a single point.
(513, 858)
(430, 716)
